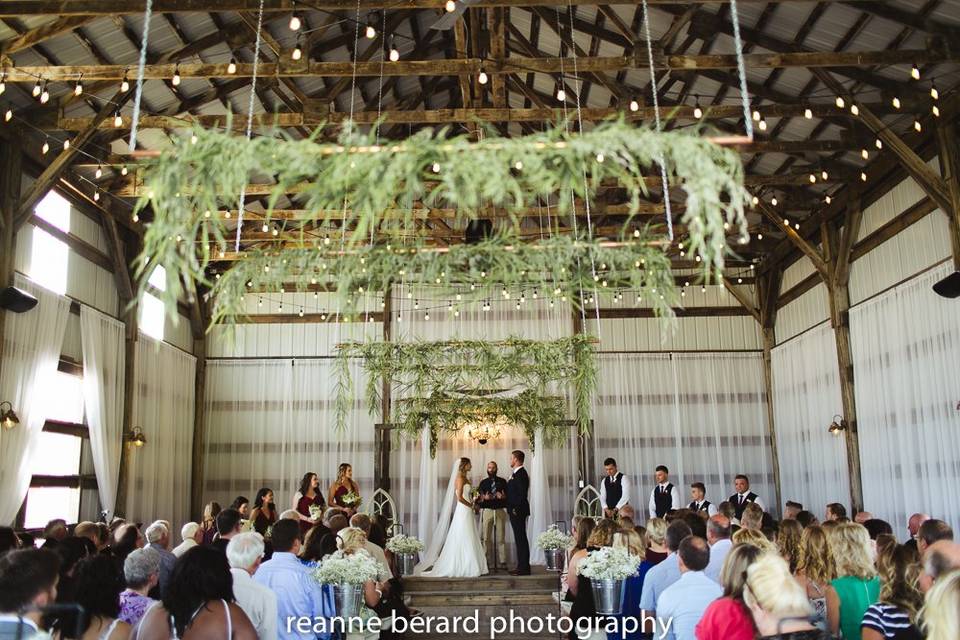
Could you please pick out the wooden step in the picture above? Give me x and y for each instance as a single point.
(419, 599)
(484, 617)
(493, 582)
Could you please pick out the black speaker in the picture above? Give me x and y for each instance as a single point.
(949, 287)
(16, 300)
(478, 230)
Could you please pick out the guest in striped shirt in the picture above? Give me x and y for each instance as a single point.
(894, 616)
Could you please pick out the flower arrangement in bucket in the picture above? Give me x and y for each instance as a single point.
(406, 549)
(607, 568)
(347, 573)
(554, 544)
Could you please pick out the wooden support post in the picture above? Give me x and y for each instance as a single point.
(768, 290)
(949, 150)
(381, 442)
(198, 324)
(130, 310)
(10, 180)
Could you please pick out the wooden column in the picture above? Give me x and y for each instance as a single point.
(130, 310)
(199, 427)
(768, 290)
(949, 150)
(837, 249)
(10, 179)
(381, 436)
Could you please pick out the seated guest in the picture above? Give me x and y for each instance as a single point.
(28, 582)
(699, 502)
(876, 528)
(775, 601)
(657, 539)
(209, 522)
(941, 613)
(579, 586)
(105, 537)
(71, 551)
(751, 517)
(311, 551)
(242, 506)
(913, 527)
(636, 545)
(815, 570)
(836, 511)
(125, 539)
(626, 513)
(338, 522)
(298, 594)
(940, 559)
(228, 525)
(685, 601)
(99, 583)
(362, 521)
(245, 553)
(54, 532)
(861, 517)
(933, 531)
(727, 618)
(755, 538)
(199, 603)
(697, 524)
(290, 514)
(264, 512)
(192, 535)
(894, 615)
(660, 577)
(626, 523)
(718, 535)
(582, 529)
(9, 540)
(883, 541)
(806, 519)
(88, 530)
(725, 508)
(351, 541)
(141, 570)
(788, 542)
(158, 539)
(791, 510)
(743, 496)
(857, 586)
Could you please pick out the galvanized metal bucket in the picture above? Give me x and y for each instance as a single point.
(556, 559)
(348, 598)
(405, 563)
(607, 596)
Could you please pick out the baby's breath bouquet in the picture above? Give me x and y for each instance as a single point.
(404, 544)
(351, 499)
(338, 568)
(609, 563)
(316, 511)
(553, 538)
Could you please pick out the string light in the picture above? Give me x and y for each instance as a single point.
(895, 102)
(756, 115)
(827, 199)
(634, 105)
(426, 315)
(436, 167)
(96, 196)
(394, 53)
(371, 31)
(917, 126)
(863, 176)
(936, 111)
(124, 84)
(99, 172)
(762, 125)
(450, 6)
(232, 66)
(878, 143)
(786, 222)
(518, 166)
(864, 154)
(813, 178)
(915, 72)
(482, 78)
(808, 113)
(35, 92)
(8, 116)
(66, 144)
(193, 138)
(124, 172)
(561, 94)
(117, 119)
(854, 109)
(933, 92)
(46, 147)
(295, 22)
(773, 201)
(3, 82)
(697, 111)
(176, 76)
(840, 103)
(824, 175)
(78, 87)
(600, 158)
(297, 51)
(45, 94)
(755, 201)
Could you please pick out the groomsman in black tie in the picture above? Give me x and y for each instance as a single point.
(743, 496)
(665, 497)
(614, 489)
(700, 503)
(518, 508)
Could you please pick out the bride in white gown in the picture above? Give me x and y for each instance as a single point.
(456, 551)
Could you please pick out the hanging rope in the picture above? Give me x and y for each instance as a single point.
(741, 69)
(253, 93)
(656, 116)
(148, 11)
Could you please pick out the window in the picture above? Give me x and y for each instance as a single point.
(48, 256)
(152, 313)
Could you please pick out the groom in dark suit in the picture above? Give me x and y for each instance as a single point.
(518, 507)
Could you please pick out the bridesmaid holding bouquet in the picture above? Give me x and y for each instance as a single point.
(344, 492)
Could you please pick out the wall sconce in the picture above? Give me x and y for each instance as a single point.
(837, 426)
(8, 418)
(136, 437)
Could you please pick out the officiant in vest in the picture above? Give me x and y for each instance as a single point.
(492, 503)
(665, 497)
(614, 489)
(700, 505)
(743, 496)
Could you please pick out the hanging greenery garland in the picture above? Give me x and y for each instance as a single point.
(431, 168)
(432, 372)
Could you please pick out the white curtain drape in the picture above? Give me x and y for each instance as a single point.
(703, 415)
(806, 396)
(541, 511)
(103, 381)
(270, 421)
(159, 473)
(906, 359)
(31, 352)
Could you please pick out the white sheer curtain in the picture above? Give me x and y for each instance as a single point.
(103, 380)
(270, 421)
(906, 358)
(806, 396)
(702, 415)
(159, 473)
(31, 352)
(541, 511)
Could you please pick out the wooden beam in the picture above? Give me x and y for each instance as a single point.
(307, 318)
(768, 290)
(198, 459)
(950, 168)
(909, 18)
(11, 156)
(118, 254)
(742, 298)
(681, 312)
(80, 246)
(44, 32)
(808, 250)
(50, 175)
(381, 457)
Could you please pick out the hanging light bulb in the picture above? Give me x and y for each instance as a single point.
(854, 109)
(297, 51)
(99, 172)
(8, 116)
(371, 31)
(561, 94)
(124, 84)
(756, 115)
(193, 138)
(864, 154)
(232, 66)
(124, 171)
(915, 72)
(66, 144)
(295, 22)
(917, 126)
(176, 76)
(824, 175)
(78, 87)
(895, 102)
(450, 6)
(808, 113)
(482, 78)
(786, 222)
(773, 201)
(436, 167)
(827, 199)
(697, 111)
(45, 94)
(96, 196)
(46, 147)
(36, 90)
(863, 176)
(813, 178)
(936, 111)
(394, 53)
(426, 315)
(839, 102)
(762, 125)
(3, 82)
(634, 105)
(600, 158)
(117, 119)
(878, 143)
(933, 92)
(265, 228)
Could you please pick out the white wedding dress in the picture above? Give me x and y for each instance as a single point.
(462, 555)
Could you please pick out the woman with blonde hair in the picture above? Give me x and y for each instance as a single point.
(894, 616)
(351, 541)
(941, 613)
(857, 586)
(776, 601)
(788, 541)
(815, 570)
(756, 538)
(727, 617)
(657, 538)
(343, 486)
(209, 522)
(636, 545)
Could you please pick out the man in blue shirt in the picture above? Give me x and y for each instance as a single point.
(28, 583)
(681, 606)
(662, 575)
(718, 535)
(303, 605)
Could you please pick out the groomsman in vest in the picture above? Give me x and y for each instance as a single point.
(614, 490)
(700, 505)
(743, 496)
(665, 497)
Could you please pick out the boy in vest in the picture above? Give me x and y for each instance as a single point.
(665, 497)
(700, 505)
(614, 489)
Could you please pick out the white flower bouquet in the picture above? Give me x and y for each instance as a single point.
(609, 564)
(316, 512)
(338, 568)
(407, 545)
(351, 499)
(553, 538)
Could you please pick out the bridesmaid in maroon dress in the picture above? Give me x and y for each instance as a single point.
(264, 512)
(343, 485)
(310, 495)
